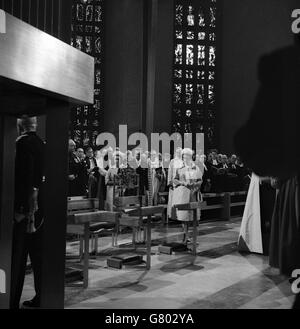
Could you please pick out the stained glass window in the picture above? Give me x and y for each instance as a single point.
(195, 63)
(87, 36)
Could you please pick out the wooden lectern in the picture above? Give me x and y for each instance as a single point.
(39, 75)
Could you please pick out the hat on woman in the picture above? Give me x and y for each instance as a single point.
(187, 151)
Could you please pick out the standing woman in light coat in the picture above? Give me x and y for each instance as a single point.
(187, 184)
(175, 164)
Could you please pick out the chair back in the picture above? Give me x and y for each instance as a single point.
(129, 202)
(79, 204)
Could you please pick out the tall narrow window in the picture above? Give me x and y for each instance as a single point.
(195, 63)
(87, 36)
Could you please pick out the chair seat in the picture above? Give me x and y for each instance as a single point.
(95, 228)
(102, 231)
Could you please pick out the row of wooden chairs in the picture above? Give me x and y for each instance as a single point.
(88, 222)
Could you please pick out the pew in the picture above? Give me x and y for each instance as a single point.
(225, 205)
(133, 214)
(85, 220)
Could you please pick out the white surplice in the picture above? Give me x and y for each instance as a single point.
(250, 238)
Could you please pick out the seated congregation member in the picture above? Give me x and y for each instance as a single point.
(77, 173)
(187, 183)
(175, 164)
(93, 174)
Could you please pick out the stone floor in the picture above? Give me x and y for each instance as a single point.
(218, 277)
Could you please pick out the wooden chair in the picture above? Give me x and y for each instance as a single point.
(123, 203)
(192, 206)
(140, 218)
(133, 211)
(126, 206)
(86, 205)
(87, 221)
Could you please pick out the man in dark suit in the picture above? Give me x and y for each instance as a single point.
(77, 173)
(93, 174)
(28, 219)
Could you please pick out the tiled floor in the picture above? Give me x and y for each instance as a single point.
(219, 277)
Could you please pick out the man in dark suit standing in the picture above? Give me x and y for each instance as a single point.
(28, 218)
(77, 173)
(93, 174)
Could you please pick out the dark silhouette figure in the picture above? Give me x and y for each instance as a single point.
(269, 143)
(28, 219)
